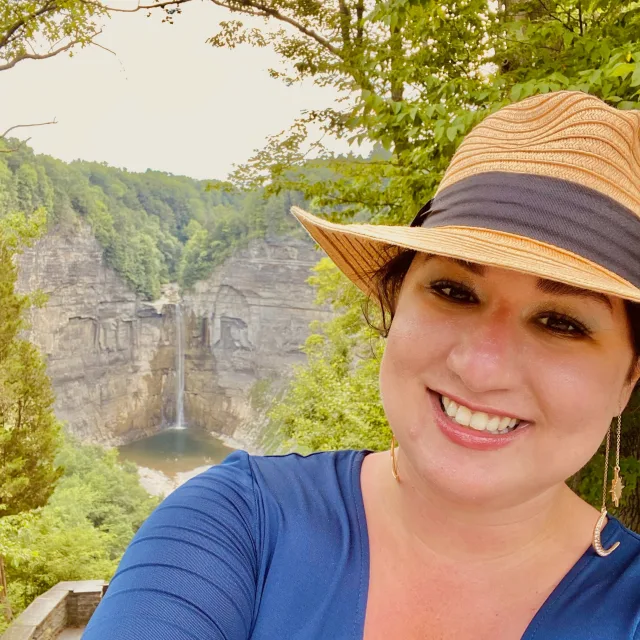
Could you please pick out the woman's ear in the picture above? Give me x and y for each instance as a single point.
(630, 385)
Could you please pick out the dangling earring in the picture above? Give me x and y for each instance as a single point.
(616, 490)
(394, 462)
(616, 484)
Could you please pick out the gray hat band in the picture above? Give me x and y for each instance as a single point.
(559, 212)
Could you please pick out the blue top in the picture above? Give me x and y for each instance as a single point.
(270, 547)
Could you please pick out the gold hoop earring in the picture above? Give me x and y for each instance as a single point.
(617, 486)
(394, 462)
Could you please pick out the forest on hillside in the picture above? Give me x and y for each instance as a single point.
(155, 227)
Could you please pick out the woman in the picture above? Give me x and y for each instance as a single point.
(513, 344)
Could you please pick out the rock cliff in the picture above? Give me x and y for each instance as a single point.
(112, 356)
(109, 354)
(245, 324)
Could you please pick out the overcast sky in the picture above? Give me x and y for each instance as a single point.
(165, 101)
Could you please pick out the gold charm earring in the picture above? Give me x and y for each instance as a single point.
(394, 462)
(597, 531)
(616, 484)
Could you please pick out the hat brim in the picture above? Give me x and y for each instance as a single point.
(359, 250)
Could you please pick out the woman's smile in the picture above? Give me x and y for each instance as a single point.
(469, 436)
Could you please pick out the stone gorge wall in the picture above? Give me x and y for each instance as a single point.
(112, 356)
(109, 354)
(246, 323)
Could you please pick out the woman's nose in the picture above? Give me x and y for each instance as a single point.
(485, 355)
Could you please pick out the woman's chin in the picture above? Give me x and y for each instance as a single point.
(454, 481)
(464, 465)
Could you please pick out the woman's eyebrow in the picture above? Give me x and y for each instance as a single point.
(563, 289)
(474, 267)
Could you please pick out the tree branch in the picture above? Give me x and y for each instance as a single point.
(18, 126)
(22, 142)
(264, 10)
(140, 7)
(554, 17)
(359, 23)
(14, 149)
(345, 22)
(36, 56)
(50, 6)
(269, 12)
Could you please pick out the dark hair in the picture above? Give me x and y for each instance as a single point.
(389, 277)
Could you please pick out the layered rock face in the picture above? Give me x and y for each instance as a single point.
(112, 356)
(246, 324)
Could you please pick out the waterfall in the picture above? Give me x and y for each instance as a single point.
(179, 368)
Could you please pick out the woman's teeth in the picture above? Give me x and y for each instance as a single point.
(477, 419)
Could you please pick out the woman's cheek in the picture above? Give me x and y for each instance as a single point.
(574, 396)
(417, 341)
(414, 357)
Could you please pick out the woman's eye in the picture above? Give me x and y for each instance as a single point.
(560, 324)
(453, 292)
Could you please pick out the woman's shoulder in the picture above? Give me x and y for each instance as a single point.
(619, 572)
(628, 552)
(597, 594)
(296, 467)
(288, 477)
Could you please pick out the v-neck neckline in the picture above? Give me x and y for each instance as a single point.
(548, 606)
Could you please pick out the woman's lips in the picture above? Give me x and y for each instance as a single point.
(468, 437)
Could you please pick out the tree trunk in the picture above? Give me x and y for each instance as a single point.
(630, 447)
(4, 599)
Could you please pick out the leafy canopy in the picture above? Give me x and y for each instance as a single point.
(155, 227)
(39, 29)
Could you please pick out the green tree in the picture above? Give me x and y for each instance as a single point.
(333, 401)
(143, 219)
(39, 29)
(414, 77)
(29, 431)
(82, 531)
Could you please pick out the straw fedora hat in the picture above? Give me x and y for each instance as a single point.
(548, 186)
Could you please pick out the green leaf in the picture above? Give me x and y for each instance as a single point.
(621, 70)
(516, 92)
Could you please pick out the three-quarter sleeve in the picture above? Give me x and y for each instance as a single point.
(190, 571)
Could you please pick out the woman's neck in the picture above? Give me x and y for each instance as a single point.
(435, 525)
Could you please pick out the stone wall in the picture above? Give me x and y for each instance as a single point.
(68, 604)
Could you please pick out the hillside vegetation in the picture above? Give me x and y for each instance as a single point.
(82, 530)
(155, 227)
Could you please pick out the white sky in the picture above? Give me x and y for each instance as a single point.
(165, 101)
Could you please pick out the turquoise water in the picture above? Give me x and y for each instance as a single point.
(175, 450)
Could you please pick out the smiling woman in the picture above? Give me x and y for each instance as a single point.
(511, 322)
